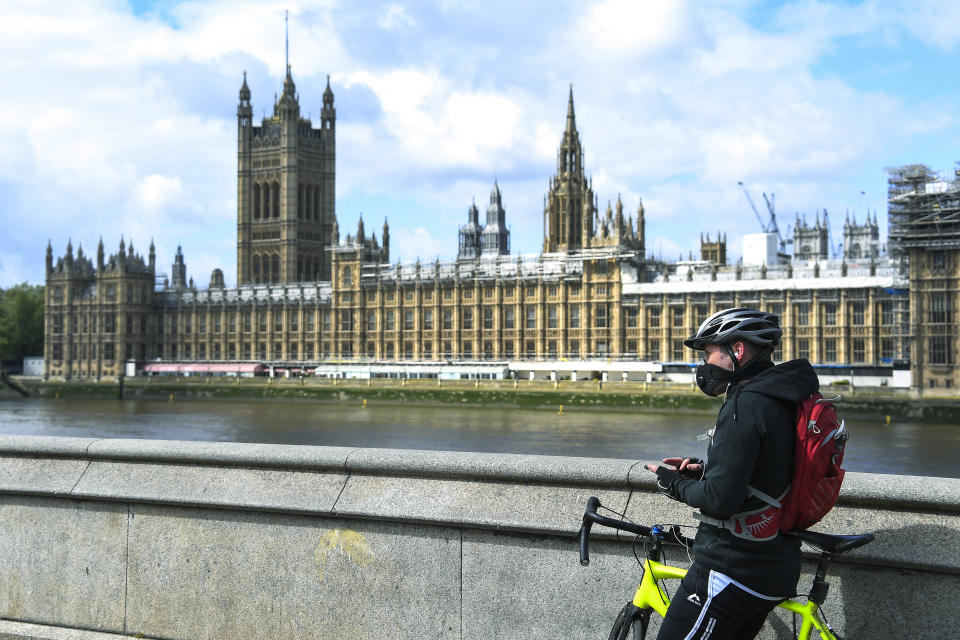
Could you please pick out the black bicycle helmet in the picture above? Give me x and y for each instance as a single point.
(738, 324)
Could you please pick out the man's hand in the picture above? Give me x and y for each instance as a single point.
(687, 467)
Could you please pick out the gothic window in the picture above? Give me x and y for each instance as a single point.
(265, 191)
(256, 269)
(300, 197)
(256, 202)
(508, 320)
(448, 319)
(830, 350)
(408, 320)
(574, 317)
(388, 320)
(347, 277)
(600, 316)
(468, 318)
(677, 352)
(654, 317)
(275, 268)
(552, 317)
(859, 350)
(856, 313)
(677, 312)
(428, 320)
(939, 311)
(275, 208)
(316, 203)
(830, 314)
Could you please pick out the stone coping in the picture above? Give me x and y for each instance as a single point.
(859, 489)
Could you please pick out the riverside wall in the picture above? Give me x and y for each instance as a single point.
(191, 540)
(581, 394)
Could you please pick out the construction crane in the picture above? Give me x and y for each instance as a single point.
(771, 226)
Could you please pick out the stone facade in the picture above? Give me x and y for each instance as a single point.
(98, 317)
(285, 190)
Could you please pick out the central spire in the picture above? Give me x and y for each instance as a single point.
(571, 118)
(286, 40)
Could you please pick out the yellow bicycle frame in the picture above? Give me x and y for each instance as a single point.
(650, 595)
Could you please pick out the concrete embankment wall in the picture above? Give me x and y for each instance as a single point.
(581, 394)
(191, 540)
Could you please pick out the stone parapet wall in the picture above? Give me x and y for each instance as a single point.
(199, 540)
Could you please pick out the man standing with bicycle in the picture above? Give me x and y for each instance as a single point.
(742, 565)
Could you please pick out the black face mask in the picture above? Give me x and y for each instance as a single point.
(711, 376)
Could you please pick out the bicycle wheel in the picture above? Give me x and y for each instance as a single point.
(629, 619)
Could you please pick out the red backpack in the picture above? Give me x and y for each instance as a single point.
(820, 438)
(818, 454)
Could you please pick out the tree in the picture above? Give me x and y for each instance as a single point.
(21, 322)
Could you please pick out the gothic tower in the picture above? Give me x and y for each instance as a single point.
(495, 239)
(285, 190)
(569, 210)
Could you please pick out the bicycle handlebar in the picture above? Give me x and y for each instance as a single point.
(590, 516)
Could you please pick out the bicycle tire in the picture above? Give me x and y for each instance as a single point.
(628, 620)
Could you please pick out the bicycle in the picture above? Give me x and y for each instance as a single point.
(652, 596)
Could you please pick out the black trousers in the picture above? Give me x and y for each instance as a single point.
(709, 606)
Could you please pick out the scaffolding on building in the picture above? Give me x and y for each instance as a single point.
(923, 209)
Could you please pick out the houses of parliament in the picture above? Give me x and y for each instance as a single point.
(308, 297)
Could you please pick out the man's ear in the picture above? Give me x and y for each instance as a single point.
(739, 350)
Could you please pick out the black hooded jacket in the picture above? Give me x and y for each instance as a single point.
(751, 446)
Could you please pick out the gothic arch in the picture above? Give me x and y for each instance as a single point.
(256, 269)
(256, 201)
(275, 268)
(275, 206)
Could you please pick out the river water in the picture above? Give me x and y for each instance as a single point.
(909, 448)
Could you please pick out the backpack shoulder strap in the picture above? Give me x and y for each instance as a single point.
(766, 497)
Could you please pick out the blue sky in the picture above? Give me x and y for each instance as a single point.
(118, 118)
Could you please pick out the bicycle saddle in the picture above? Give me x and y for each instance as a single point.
(832, 543)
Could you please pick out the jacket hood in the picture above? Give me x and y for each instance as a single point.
(792, 381)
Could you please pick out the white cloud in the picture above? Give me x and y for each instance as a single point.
(409, 244)
(395, 17)
(626, 27)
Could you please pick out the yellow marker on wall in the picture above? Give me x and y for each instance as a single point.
(350, 543)
(560, 411)
(364, 403)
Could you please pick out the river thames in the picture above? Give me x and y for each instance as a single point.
(909, 448)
